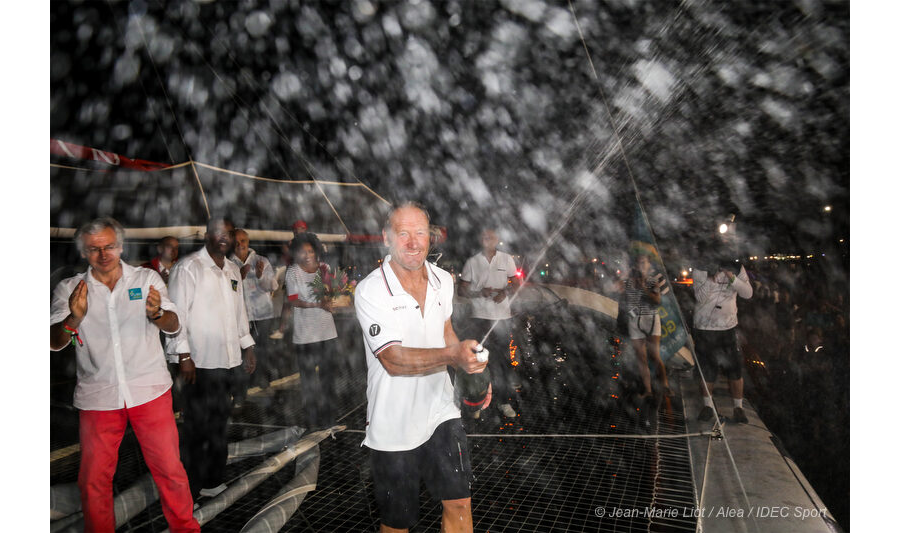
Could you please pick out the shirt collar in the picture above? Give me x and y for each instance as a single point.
(207, 260)
(392, 283)
(237, 259)
(482, 254)
(127, 272)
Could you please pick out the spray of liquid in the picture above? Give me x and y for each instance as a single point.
(587, 186)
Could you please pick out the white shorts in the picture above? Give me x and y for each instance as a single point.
(642, 326)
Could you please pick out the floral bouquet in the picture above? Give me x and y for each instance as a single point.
(334, 284)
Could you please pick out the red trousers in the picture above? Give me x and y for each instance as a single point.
(154, 425)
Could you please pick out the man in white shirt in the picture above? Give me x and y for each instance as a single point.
(113, 314)
(259, 283)
(413, 427)
(715, 332)
(488, 279)
(207, 289)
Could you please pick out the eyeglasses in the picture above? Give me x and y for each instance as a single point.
(108, 249)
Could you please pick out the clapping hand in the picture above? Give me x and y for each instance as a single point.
(153, 301)
(78, 302)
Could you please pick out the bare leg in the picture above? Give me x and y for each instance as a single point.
(737, 388)
(653, 352)
(386, 529)
(640, 348)
(457, 516)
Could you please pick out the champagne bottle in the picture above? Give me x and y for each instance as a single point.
(472, 389)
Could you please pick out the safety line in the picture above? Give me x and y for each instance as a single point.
(169, 167)
(279, 132)
(571, 435)
(202, 192)
(595, 435)
(236, 173)
(54, 165)
(288, 112)
(717, 423)
(637, 194)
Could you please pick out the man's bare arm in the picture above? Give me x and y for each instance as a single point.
(405, 361)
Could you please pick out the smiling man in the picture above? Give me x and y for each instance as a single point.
(413, 426)
(259, 284)
(207, 288)
(489, 280)
(113, 314)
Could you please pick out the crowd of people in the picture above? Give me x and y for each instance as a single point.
(211, 315)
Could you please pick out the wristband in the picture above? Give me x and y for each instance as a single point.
(186, 358)
(74, 333)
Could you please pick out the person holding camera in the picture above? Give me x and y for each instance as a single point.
(715, 332)
(642, 294)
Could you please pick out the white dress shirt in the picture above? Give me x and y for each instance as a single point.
(214, 325)
(404, 411)
(258, 291)
(494, 275)
(122, 363)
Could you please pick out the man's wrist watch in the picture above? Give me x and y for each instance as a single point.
(158, 314)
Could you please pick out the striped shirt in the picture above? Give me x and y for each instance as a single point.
(635, 299)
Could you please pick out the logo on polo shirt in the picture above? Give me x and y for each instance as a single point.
(374, 330)
(234, 285)
(134, 294)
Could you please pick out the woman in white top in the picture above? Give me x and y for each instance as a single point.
(315, 336)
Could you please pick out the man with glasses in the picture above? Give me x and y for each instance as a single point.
(113, 314)
(207, 289)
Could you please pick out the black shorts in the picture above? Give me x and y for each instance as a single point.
(442, 462)
(718, 349)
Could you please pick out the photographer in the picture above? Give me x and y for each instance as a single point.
(715, 331)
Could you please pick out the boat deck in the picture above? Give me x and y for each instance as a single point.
(578, 457)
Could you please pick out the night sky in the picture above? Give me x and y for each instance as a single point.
(489, 108)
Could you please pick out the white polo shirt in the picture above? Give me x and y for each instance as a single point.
(214, 325)
(494, 275)
(122, 362)
(404, 411)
